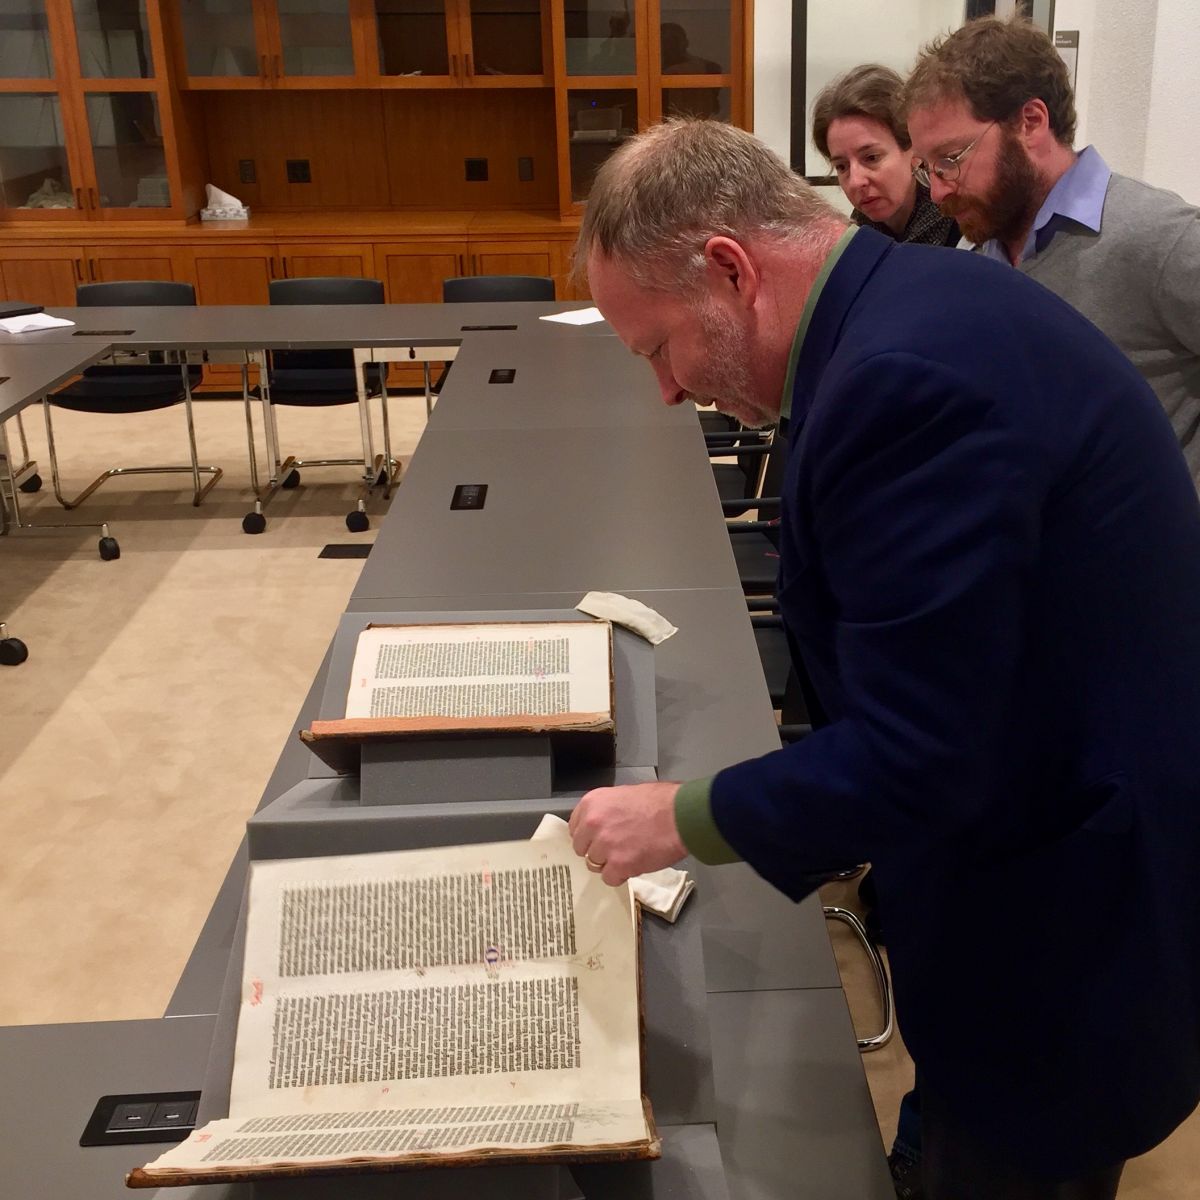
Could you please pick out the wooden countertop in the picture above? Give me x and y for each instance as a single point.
(273, 226)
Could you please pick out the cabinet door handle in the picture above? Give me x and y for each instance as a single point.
(78, 270)
(79, 198)
(271, 266)
(92, 198)
(454, 66)
(262, 68)
(91, 264)
(462, 270)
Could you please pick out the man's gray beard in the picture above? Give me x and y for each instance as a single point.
(730, 377)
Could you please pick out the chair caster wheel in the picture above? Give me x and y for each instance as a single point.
(13, 652)
(109, 549)
(254, 522)
(356, 522)
(290, 480)
(32, 484)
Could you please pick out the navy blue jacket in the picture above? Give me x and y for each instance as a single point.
(990, 564)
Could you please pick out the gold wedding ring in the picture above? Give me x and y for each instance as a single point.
(592, 865)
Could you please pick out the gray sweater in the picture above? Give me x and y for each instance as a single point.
(1139, 281)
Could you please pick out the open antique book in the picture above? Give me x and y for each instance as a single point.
(455, 1006)
(512, 677)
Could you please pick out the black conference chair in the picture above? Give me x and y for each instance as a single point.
(131, 387)
(13, 651)
(487, 289)
(318, 379)
(792, 696)
(756, 542)
(25, 473)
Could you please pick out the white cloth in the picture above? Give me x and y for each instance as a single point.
(632, 614)
(32, 321)
(663, 892)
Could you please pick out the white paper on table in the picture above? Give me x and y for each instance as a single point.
(577, 316)
(32, 321)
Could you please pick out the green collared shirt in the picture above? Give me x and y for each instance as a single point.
(693, 802)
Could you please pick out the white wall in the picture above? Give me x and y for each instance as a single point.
(1080, 15)
(773, 74)
(1172, 136)
(845, 33)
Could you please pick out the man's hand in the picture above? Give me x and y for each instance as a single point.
(626, 831)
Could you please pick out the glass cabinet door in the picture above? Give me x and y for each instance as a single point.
(25, 41)
(113, 38)
(601, 37)
(127, 150)
(413, 38)
(695, 37)
(34, 170)
(315, 38)
(506, 38)
(598, 121)
(219, 39)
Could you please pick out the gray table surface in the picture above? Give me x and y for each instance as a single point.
(559, 383)
(631, 509)
(54, 1074)
(794, 1114)
(636, 508)
(305, 326)
(29, 371)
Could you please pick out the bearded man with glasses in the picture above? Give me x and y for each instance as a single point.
(992, 119)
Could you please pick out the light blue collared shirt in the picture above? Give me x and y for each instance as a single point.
(1078, 196)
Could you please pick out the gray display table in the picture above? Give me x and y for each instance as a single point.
(592, 483)
(565, 509)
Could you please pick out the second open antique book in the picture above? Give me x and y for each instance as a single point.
(472, 678)
(470, 1004)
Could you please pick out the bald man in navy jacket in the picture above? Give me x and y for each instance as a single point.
(990, 568)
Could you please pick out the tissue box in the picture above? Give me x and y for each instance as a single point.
(228, 213)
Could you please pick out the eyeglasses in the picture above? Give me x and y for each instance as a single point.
(949, 168)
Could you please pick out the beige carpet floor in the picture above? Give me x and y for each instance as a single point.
(159, 689)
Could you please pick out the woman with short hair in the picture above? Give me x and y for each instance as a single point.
(857, 126)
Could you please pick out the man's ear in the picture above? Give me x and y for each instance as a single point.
(1033, 124)
(732, 273)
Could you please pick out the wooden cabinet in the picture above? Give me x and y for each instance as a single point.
(247, 44)
(412, 272)
(326, 258)
(123, 260)
(234, 274)
(45, 276)
(87, 121)
(617, 74)
(256, 44)
(458, 43)
(511, 258)
(109, 108)
(231, 265)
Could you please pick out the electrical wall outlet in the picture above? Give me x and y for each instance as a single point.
(477, 170)
(299, 170)
(525, 169)
(246, 170)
